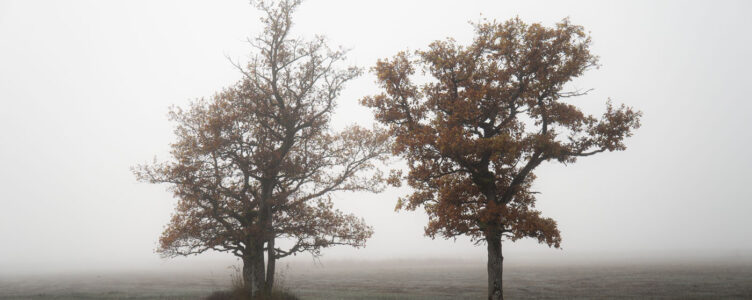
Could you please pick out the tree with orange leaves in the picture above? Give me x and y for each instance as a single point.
(490, 113)
(258, 162)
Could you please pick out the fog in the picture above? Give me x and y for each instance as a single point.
(85, 87)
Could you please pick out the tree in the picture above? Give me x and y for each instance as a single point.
(258, 162)
(488, 115)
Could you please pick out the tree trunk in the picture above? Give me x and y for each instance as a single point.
(248, 278)
(495, 266)
(253, 269)
(270, 267)
(264, 223)
(258, 269)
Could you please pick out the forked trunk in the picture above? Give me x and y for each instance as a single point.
(270, 267)
(495, 266)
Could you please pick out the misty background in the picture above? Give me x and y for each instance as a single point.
(85, 87)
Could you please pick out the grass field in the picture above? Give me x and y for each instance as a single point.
(405, 280)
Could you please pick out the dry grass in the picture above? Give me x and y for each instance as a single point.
(244, 294)
(239, 291)
(407, 281)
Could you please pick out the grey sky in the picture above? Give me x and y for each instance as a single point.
(85, 87)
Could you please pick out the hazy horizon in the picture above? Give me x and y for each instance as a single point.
(85, 87)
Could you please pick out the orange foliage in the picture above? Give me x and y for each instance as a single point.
(258, 161)
(490, 113)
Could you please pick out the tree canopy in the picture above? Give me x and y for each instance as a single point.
(487, 115)
(258, 161)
